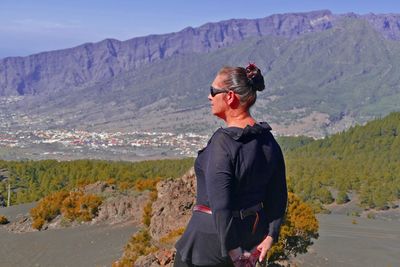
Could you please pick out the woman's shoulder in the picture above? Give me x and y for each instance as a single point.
(220, 135)
(237, 133)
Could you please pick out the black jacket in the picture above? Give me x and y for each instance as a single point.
(237, 169)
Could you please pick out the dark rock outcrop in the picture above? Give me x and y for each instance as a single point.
(22, 224)
(173, 207)
(163, 257)
(116, 208)
(387, 24)
(121, 209)
(171, 211)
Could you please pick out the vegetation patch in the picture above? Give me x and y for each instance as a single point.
(171, 237)
(141, 243)
(3, 219)
(364, 159)
(32, 180)
(73, 206)
(300, 226)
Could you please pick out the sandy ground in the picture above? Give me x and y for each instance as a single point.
(85, 245)
(369, 242)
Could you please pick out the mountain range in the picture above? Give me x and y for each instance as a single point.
(324, 72)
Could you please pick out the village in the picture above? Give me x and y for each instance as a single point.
(184, 144)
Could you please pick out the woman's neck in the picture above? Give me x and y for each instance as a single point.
(240, 120)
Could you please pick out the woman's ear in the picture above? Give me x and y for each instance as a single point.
(232, 99)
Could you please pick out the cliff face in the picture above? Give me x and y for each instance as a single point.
(387, 24)
(174, 204)
(324, 73)
(171, 212)
(90, 63)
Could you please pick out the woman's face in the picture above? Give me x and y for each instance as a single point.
(218, 102)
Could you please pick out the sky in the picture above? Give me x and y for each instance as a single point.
(32, 26)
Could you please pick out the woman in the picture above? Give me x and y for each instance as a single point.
(241, 184)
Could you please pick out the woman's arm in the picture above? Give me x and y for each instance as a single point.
(275, 202)
(219, 184)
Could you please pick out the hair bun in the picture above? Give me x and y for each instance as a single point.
(256, 80)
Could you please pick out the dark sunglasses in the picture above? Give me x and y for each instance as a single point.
(215, 91)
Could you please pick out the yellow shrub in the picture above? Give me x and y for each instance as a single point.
(299, 227)
(47, 209)
(89, 206)
(172, 236)
(82, 182)
(72, 205)
(78, 206)
(146, 184)
(3, 219)
(138, 245)
(38, 223)
(69, 207)
(147, 213)
(111, 181)
(123, 186)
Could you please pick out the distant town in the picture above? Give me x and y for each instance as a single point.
(61, 142)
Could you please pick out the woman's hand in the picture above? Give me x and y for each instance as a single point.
(235, 255)
(264, 246)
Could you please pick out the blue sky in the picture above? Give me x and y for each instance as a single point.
(31, 26)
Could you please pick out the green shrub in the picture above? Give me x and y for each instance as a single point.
(324, 195)
(342, 197)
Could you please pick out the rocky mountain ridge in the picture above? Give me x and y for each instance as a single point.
(324, 73)
(91, 63)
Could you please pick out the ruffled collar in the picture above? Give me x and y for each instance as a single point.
(237, 133)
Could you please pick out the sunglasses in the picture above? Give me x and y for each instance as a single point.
(215, 91)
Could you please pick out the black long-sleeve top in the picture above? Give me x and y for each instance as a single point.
(236, 170)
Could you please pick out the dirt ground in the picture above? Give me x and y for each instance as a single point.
(344, 241)
(348, 241)
(85, 245)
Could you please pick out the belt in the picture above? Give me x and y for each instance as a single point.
(243, 213)
(202, 208)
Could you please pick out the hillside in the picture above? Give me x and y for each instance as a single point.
(103, 244)
(324, 73)
(364, 160)
(32, 180)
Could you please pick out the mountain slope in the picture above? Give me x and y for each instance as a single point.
(318, 83)
(94, 62)
(364, 159)
(339, 70)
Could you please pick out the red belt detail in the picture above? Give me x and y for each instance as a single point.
(239, 214)
(202, 208)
